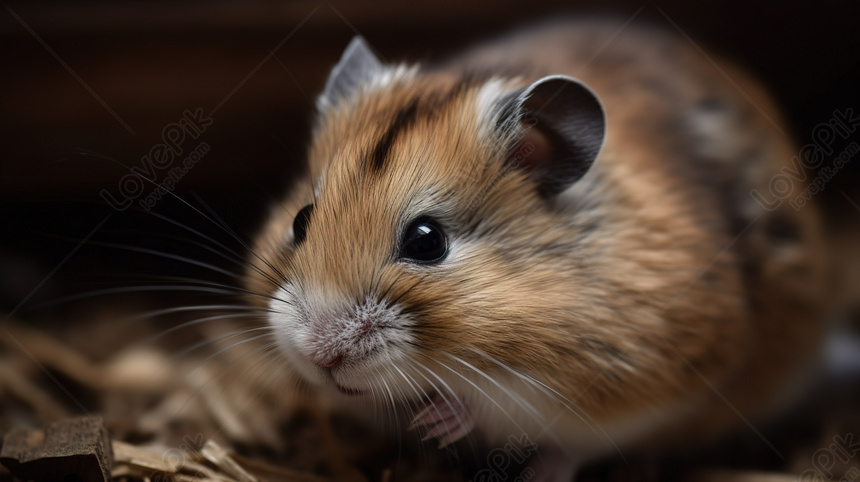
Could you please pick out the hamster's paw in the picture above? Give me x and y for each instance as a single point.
(445, 418)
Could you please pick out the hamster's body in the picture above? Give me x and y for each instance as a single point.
(649, 298)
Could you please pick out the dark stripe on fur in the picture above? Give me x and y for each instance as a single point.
(404, 118)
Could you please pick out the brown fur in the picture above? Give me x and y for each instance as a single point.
(635, 295)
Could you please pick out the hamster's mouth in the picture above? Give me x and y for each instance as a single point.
(352, 392)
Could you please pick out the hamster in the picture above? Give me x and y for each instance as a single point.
(550, 239)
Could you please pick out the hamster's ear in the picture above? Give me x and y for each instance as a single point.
(564, 131)
(357, 65)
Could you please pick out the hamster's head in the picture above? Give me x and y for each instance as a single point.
(424, 238)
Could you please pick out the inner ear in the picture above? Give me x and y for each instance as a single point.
(532, 151)
(562, 128)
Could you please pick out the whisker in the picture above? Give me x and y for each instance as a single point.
(212, 340)
(566, 403)
(180, 309)
(415, 386)
(163, 254)
(236, 289)
(515, 397)
(200, 388)
(128, 289)
(233, 258)
(171, 193)
(234, 345)
(222, 246)
(482, 392)
(193, 322)
(393, 408)
(441, 394)
(235, 236)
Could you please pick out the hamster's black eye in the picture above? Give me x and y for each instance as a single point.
(300, 224)
(424, 242)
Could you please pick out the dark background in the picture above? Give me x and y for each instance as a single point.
(150, 61)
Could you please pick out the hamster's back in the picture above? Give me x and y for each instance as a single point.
(692, 144)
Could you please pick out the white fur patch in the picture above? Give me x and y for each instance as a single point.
(718, 134)
(370, 336)
(489, 107)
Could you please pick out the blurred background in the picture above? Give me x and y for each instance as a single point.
(87, 89)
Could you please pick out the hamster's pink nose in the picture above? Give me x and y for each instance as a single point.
(330, 362)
